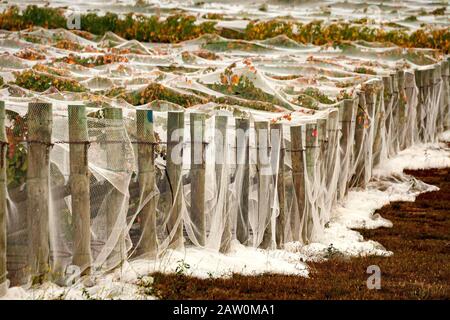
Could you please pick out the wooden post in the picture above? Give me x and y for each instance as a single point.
(323, 145)
(220, 165)
(373, 100)
(79, 187)
(437, 77)
(263, 167)
(375, 109)
(434, 113)
(115, 220)
(380, 119)
(3, 145)
(332, 151)
(427, 88)
(402, 113)
(421, 79)
(347, 123)
(369, 126)
(38, 173)
(358, 147)
(311, 149)
(148, 245)
(388, 87)
(243, 161)
(277, 140)
(418, 79)
(175, 126)
(311, 161)
(394, 119)
(445, 65)
(411, 127)
(197, 128)
(430, 110)
(298, 174)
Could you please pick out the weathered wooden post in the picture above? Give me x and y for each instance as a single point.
(148, 245)
(372, 92)
(426, 87)
(323, 145)
(436, 116)
(430, 111)
(358, 148)
(115, 217)
(445, 65)
(264, 176)
(421, 79)
(401, 107)
(79, 187)
(220, 165)
(426, 112)
(38, 173)
(373, 101)
(298, 174)
(434, 108)
(276, 137)
(243, 165)
(311, 162)
(410, 131)
(311, 149)
(197, 128)
(3, 145)
(439, 116)
(394, 118)
(347, 113)
(332, 151)
(377, 122)
(380, 119)
(175, 139)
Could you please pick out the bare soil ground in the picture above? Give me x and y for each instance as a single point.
(419, 268)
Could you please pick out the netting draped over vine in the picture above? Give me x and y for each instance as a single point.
(257, 155)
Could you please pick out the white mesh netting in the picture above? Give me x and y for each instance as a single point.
(270, 138)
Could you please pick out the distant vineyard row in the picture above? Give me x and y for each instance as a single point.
(180, 27)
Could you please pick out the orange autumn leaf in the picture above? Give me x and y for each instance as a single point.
(235, 79)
